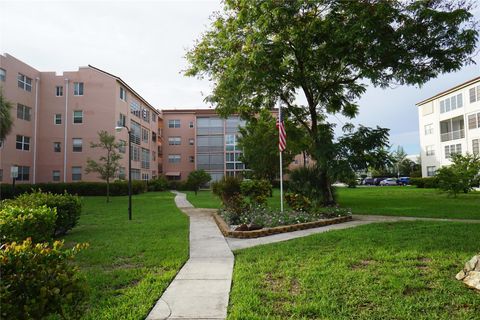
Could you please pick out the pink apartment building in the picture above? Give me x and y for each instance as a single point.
(57, 116)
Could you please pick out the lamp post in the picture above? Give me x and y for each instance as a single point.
(118, 129)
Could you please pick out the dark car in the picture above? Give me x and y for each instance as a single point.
(376, 181)
(368, 182)
(404, 181)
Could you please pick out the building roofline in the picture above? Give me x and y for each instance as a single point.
(126, 85)
(444, 93)
(188, 110)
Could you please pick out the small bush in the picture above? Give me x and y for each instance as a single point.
(308, 181)
(68, 207)
(256, 190)
(178, 185)
(38, 280)
(158, 184)
(431, 182)
(298, 202)
(226, 188)
(19, 223)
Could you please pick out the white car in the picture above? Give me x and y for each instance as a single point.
(389, 182)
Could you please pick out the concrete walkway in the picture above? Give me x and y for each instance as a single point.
(201, 288)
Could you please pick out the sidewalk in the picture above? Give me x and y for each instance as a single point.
(201, 288)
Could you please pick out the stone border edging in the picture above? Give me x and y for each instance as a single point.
(222, 225)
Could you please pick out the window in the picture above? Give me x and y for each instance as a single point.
(174, 123)
(154, 137)
(452, 149)
(135, 132)
(57, 147)
(474, 121)
(77, 145)
(57, 118)
(76, 173)
(135, 174)
(191, 159)
(190, 124)
(23, 143)
(122, 146)
(191, 141)
(23, 173)
(58, 91)
(174, 158)
(451, 103)
(123, 94)
(145, 176)
(121, 173)
(145, 134)
(135, 153)
(122, 120)
(23, 112)
(430, 150)
(135, 108)
(431, 171)
(56, 175)
(146, 115)
(154, 156)
(154, 117)
(3, 74)
(145, 159)
(78, 116)
(174, 141)
(429, 129)
(78, 88)
(474, 94)
(476, 146)
(24, 82)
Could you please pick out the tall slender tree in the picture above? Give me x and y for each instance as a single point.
(258, 52)
(6, 121)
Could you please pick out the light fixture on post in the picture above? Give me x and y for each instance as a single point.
(119, 128)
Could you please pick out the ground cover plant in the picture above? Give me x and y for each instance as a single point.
(380, 271)
(129, 263)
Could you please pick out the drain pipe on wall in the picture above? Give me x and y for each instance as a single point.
(37, 82)
(65, 119)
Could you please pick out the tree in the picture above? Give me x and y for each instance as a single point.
(260, 52)
(6, 121)
(461, 176)
(259, 142)
(198, 178)
(398, 157)
(108, 165)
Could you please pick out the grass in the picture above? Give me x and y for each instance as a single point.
(129, 263)
(393, 201)
(381, 271)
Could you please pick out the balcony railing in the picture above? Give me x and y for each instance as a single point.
(452, 135)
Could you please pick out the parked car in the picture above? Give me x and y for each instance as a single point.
(377, 181)
(389, 182)
(404, 181)
(368, 182)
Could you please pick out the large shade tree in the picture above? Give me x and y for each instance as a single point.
(325, 53)
(6, 121)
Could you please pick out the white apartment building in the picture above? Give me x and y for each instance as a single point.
(449, 122)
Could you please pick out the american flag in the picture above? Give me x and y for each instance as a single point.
(282, 134)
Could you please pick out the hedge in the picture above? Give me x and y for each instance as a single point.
(431, 182)
(117, 188)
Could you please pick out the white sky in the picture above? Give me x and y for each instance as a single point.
(144, 43)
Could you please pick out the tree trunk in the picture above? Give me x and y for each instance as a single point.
(108, 190)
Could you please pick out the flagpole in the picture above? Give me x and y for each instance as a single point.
(281, 171)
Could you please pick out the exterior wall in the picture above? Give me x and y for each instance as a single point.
(429, 113)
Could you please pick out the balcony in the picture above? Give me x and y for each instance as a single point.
(452, 135)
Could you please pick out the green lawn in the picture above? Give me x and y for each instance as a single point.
(394, 201)
(129, 263)
(381, 271)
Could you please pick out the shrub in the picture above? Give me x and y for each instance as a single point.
(19, 223)
(431, 182)
(226, 188)
(461, 175)
(68, 208)
(38, 280)
(198, 178)
(158, 184)
(177, 185)
(308, 182)
(256, 190)
(298, 202)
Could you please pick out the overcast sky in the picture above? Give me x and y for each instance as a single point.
(144, 43)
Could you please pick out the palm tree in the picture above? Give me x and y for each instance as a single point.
(6, 121)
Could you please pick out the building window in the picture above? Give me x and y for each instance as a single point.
(123, 94)
(145, 134)
(145, 176)
(191, 141)
(146, 115)
(24, 82)
(78, 88)
(135, 132)
(154, 156)
(23, 112)
(3, 74)
(77, 144)
(474, 94)
(122, 144)
(135, 153)
(154, 137)
(135, 108)
(190, 124)
(154, 117)
(57, 118)
(23, 173)
(23, 143)
(452, 149)
(57, 147)
(174, 158)
(174, 141)
(428, 129)
(430, 150)
(174, 123)
(191, 159)
(474, 121)
(58, 91)
(476, 146)
(135, 174)
(451, 103)
(431, 171)
(145, 159)
(56, 175)
(78, 116)
(76, 173)
(121, 173)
